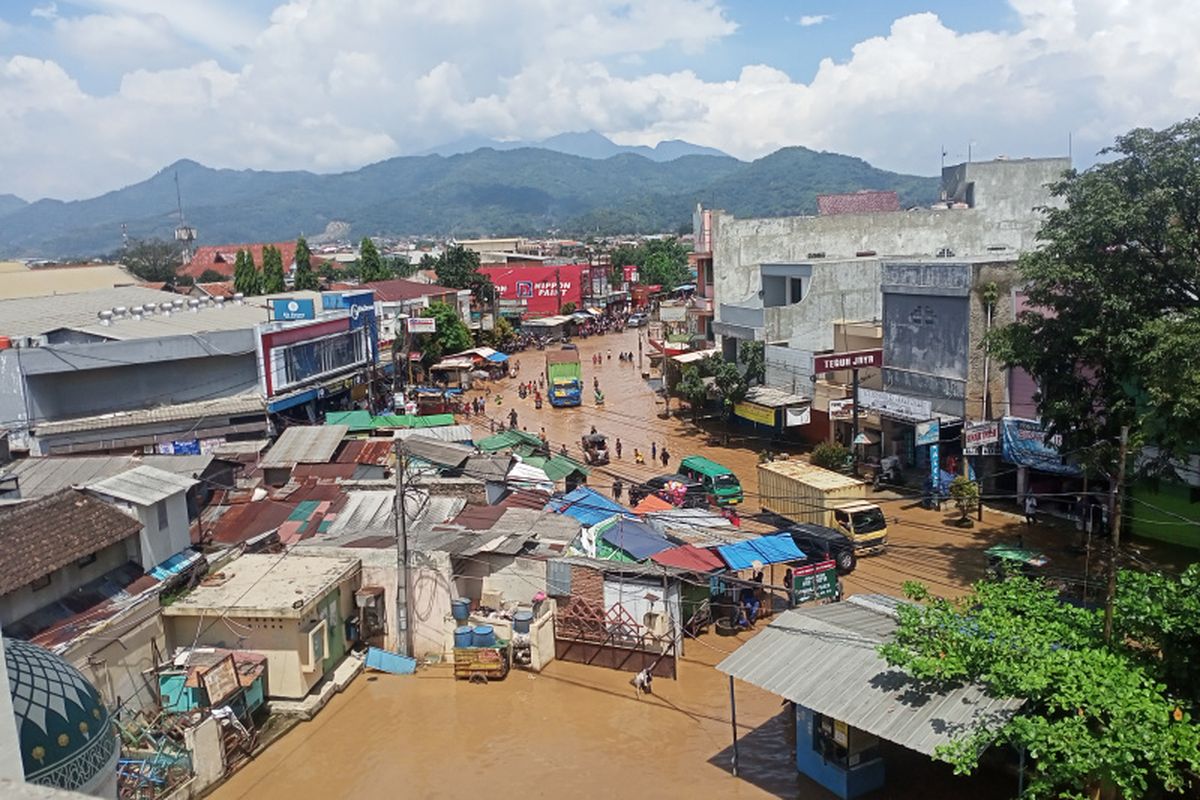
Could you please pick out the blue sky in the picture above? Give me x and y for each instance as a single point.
(102, 93)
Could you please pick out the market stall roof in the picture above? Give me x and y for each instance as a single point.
(525, 472)
(826, 658)
(595, 312)
(690, 558)
(546, 322)
(497, 358)
(773, 398)
(651, 503)
(412, 421)
(509, 439)
(454, 364)
(637, 539)
(557, 467)
(774, 549)
(694, 356)
(437, 452)
(586, 505)
(355, 421)
(446, 433)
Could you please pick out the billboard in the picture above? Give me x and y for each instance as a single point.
(929, 432)
(841, 409)
(538, 285)
(858, 359)
(755, 413)
(361, 305)
(982, 439)
(422, 325)
(292, 308)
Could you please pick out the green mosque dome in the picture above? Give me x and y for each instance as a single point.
(66, 736)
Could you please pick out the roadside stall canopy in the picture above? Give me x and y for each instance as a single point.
(637, 539)
(586, 505)
(412, 421)
(354, 420)
(689, 557)
(509, 439)
(454, 364)
(651, 503)
(774, 549)
(557, 467)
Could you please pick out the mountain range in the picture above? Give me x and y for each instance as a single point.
(524, 191)
(585, 144)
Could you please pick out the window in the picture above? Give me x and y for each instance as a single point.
(795, 290)
(41, 583)
(923, 315)
(162, 514)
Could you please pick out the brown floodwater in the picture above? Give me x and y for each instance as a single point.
(575, 731)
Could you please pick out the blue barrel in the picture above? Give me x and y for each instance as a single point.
(460, 607)
(462, 636)
(521, 621)
(483, 636)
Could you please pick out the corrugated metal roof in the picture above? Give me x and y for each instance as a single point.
(235, 406)
(365, 512)
(689, 557)
(144, 485)
(773, 398)
(825, 658)
(437, 452)
(38, 477)
(445, 433)
(305, 444)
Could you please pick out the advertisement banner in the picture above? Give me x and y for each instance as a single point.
(672, 313)
(982, 439)
(755, 413)
(293, 308)
(935, 467)
(929, 432)
(909, 409)
(543, 289)
(797, 416)
(857, 359)
(841, 409)
(422, 325)
(1024, 443)
(814, 582)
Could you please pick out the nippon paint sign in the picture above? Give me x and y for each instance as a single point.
(538, 286)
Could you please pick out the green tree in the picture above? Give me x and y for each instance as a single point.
(728, 380)
(401, 266)
(567, 308)
(965, 493)
(452, 334)
(1095, 713)
(246, 277)
(830, 455)
(753, 356)
(327, 271)
(273, 281)
(692, 388)
(1114, 297)
(305, 278)
(152, 260)
(458, 268)
(210, 276)
(427, 262)
(500, 334)
(370, 263)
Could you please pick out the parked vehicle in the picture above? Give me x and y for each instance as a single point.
(637, 321)
(819, 543)
(678, 490)
(595, 449)
(802, 492)
(719, 482)
(1005, 561)
(564, 377)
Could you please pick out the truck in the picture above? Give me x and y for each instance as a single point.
(803, 492)
(564, 377)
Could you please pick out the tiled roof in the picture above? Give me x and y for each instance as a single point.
(864, 202)
(220, 257)
(217, 288)
(397, 290)
(38, 537)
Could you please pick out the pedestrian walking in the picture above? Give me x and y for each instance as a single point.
(618, 447)
(638, 458)
(610, 355)
(666, 457)
(512, 418)
(617, 489)
(1030, 509)
(653, 451)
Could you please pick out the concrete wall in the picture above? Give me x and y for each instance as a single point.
(115, 657)
(157, 544)
(26, 600)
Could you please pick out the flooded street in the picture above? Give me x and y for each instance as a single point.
(577, 731)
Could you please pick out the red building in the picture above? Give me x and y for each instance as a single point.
(544, 289)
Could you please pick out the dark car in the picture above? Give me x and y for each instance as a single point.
(819, 543)
(694, 494)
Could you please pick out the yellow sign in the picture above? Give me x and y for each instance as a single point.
(755, 413)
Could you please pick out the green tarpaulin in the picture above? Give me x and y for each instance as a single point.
(363, 421)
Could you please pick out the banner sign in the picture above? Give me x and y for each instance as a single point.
(755, 413)
(220, 681)
(982, 439)
(798, 416)
(422, 325)
(293, 308)
(841, 409)
(1024, 444)
(814, 582)
(858, 359)
(928, 432)
(909, 409)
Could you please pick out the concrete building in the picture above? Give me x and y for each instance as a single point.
(293, 610)
(788, 279)
(158, 500)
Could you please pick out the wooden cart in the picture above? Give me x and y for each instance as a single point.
(481, 664)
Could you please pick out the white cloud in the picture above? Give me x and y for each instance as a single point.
(334, 84)
(48, 11)
(808, 20)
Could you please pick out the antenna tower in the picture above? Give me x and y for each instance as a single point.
(184, 234)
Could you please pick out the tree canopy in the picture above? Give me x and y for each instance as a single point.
(273, 280)
(1112, 334)
(1122, 713)
(692, 387)
(305, 278)
(246, 277)
(753, 356)
(370, 263)
(154, 260)
(728, 380)
(661, 261)
(458, 268)
(452, 334)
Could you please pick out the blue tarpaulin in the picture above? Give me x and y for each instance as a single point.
(387, 661)
(587, 506)
(1023, 442)
(637, 539)
(774, 549)
(499, 358)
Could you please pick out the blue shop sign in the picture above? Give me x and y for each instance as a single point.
(361, 306)
(292, 309)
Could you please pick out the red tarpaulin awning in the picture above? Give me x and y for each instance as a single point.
(689, 557)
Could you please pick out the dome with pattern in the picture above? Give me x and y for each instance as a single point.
(66, 735)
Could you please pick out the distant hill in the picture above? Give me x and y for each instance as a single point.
(586, 144)
(525, 191)
(10, 203)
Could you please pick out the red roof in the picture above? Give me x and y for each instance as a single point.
(217, 289)
(400, 289)
(220, 257)
(366, 451)
(689, 557)
(324, 471)
(651, 503)
(864, 202)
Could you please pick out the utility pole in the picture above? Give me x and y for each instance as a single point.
(404, 639)
(558, 287)
(854, 421)
(1117, 491)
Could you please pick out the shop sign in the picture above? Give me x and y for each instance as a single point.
(797, 416)
(672, 313)
(422, 325)
(654, 331)
(929, 432)
(292, 309)
(814, 582)
(982, 439)
(220, 681)
(910, 409)
(755, 413)
(857, 359)
(842, 409)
